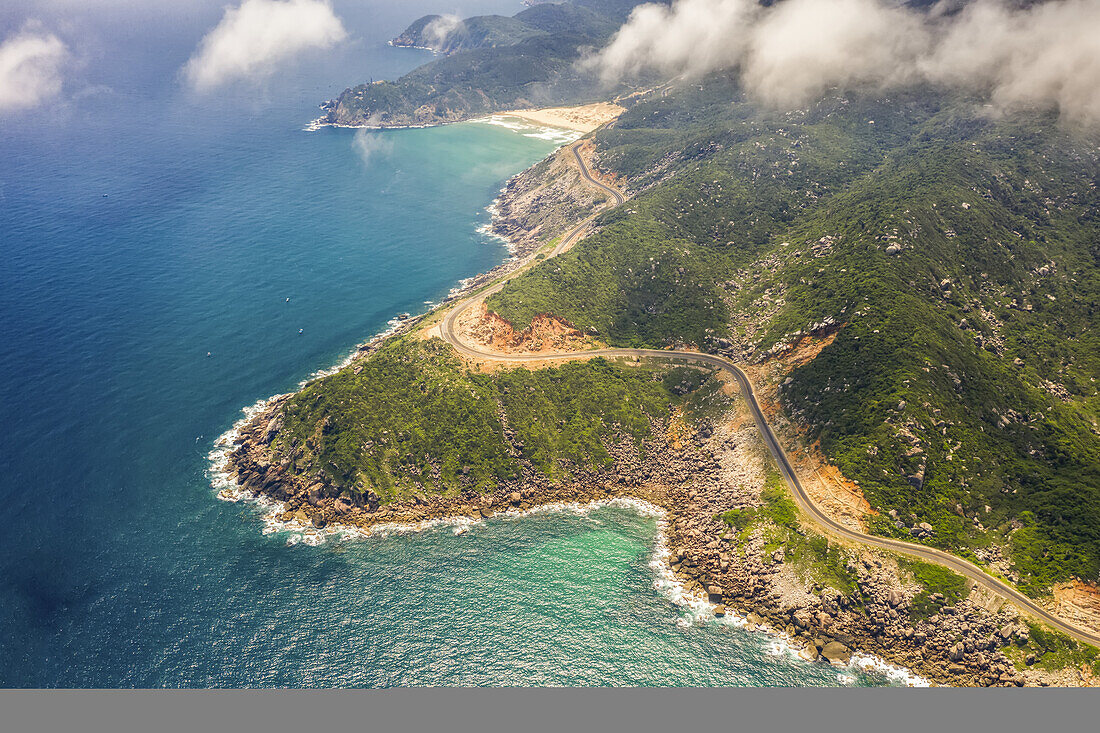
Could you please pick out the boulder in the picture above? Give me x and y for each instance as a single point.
(720, 610)
(714, 594)
(957, 652)
(844, 639)
(836, 653)
(894, 598)
(516, 497)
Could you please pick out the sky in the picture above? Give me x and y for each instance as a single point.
(1044, 56)
(50, 49)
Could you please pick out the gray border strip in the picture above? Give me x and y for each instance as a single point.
(561, 711)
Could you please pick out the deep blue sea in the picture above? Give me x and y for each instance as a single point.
(149, 240)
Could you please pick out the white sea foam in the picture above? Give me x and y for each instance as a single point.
(873, 664)
(559, 135)
(699, 609)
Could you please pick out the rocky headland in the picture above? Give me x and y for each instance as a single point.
(695, 472)
(694, 476)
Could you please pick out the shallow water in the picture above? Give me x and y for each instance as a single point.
(150, 241)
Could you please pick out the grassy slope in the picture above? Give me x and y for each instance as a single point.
(906, 381)
(414, 420)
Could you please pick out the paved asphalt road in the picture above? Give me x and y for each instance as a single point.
(803, 499)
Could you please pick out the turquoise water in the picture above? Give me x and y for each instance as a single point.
(150, 240)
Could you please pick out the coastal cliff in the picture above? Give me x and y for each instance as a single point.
(731, 535)
(706, 474)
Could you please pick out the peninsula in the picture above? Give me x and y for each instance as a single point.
(849, 350)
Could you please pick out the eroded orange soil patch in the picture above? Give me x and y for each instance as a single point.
(838, 496)
(546, 334)
(678, 431)
(1078, 602)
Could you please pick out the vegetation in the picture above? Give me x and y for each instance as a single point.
(954, 256)
(941, 587)
(777, 518)
(411, 419)
(951, 257)
(1052, 650)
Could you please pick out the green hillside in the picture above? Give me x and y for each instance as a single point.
(412, 419)
(955, 257)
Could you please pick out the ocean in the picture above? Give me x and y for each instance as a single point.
(171, 258)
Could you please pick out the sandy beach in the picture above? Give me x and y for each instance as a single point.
(584, 118)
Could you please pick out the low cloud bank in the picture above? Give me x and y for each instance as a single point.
(1042, 56)
(254, 38)
(436, 32)
(31, 64)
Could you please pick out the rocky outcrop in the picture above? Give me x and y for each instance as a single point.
(835, 652)
(694, 483)
(545, 200)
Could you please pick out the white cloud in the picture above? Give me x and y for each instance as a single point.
(369, 145)
(437, 30)
(804, 47)
(1046, 55)
(690, 37)
(31, 63)
(252, 39)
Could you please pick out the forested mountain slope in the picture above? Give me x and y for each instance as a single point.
(953, 259)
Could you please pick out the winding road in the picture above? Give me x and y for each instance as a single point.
(963, 567)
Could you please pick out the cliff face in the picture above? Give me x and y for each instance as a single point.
(543, 201)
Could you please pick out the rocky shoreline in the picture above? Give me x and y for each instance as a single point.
(960, 645)
(692, 480)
